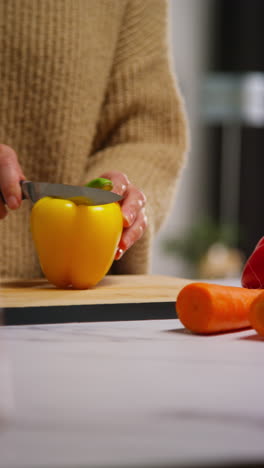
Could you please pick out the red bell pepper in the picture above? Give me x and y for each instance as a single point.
(253, 272)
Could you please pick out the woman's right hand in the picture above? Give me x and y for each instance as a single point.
(10, 175)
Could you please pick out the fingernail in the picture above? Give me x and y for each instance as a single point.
(119, 254)
(12, 202)
(129, 218)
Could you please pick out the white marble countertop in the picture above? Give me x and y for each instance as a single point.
(142, 393)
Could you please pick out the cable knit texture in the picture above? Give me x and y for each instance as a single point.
(86, 87)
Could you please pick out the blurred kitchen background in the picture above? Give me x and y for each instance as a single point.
(217, 218)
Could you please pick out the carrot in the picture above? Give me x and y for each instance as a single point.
(210, 308)
(256, 314)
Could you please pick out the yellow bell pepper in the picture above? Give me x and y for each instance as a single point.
(76, 244)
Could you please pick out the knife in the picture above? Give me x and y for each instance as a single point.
(82, 195)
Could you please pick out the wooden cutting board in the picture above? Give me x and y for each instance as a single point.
(124, 297)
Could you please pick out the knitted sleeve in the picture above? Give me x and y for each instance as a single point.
(142, 126)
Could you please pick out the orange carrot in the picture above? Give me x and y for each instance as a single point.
(211, 308)
(256, 314)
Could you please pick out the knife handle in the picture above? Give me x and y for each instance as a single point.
(2, 199)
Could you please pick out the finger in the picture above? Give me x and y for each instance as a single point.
(10, 175)
(133, 203)
(132, 234)
(120, 181)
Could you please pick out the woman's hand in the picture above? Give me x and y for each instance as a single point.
(10, 175)
(132, 205)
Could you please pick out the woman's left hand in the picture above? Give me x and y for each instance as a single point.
(132, 205)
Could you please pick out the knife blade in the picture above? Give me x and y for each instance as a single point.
(82, 195)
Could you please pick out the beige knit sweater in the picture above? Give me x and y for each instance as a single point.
(86, 87)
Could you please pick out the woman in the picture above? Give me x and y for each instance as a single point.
(87, 91)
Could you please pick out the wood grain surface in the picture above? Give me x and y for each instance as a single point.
(117, 289)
